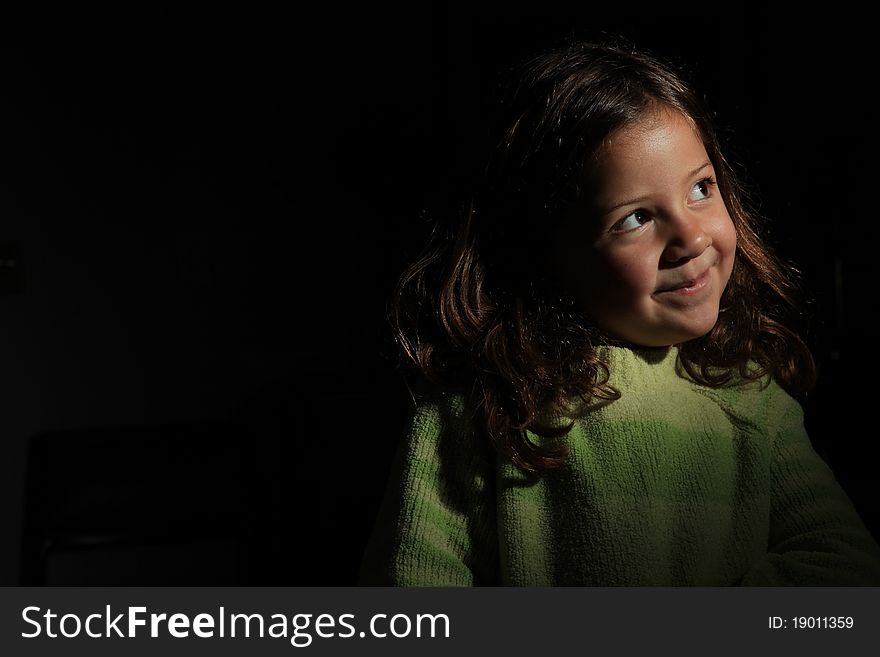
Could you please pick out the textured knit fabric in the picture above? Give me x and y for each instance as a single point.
(673, 484)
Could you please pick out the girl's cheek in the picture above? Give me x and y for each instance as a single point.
(725, 234)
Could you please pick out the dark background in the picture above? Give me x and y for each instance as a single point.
(207, 208)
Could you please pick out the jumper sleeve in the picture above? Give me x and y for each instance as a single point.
(436, 525)
(816, 536)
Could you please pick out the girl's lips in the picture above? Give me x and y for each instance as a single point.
(698, 284)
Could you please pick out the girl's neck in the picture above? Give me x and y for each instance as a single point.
(623, 344)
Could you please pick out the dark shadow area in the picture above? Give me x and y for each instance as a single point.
(283, 493)
(137, 506)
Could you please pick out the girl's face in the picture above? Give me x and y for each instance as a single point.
(649, 247)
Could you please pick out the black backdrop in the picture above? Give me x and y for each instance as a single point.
(208, 207)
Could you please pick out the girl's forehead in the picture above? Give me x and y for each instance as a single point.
(669, 142)
(655, 128)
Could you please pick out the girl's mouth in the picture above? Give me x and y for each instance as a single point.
(689, 287)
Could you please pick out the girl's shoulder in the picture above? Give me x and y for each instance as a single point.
(425, 395)
(442, 427)
(761, 400)
(435, 409)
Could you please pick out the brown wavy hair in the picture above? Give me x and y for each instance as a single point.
(480, 312)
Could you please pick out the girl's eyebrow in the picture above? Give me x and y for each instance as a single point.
(639, 199)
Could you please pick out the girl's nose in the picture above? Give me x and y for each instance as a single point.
(687, 237)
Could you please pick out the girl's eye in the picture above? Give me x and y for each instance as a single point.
(703, 187)
(631, 221)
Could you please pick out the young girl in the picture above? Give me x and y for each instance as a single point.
(607, 356)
